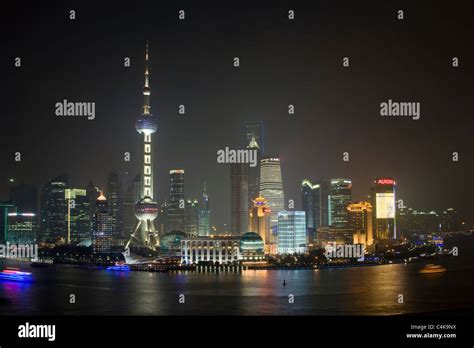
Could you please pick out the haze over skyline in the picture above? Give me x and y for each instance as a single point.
(283, 62)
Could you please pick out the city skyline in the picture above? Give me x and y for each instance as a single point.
(217, 165)
(89, 150)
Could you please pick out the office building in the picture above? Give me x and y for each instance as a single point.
(271, 188)
(239, 196)
(292, 232)
(340, 196)
(102, 227)
(54, 211)
(383, 202)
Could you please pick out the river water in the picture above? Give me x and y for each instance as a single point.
(372, 290)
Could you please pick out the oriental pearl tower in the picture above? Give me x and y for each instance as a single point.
(144, 235)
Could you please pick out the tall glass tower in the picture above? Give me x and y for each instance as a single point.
(146, 209)
(204, 214)
(341, 195)
(271, 188)
(176, 207)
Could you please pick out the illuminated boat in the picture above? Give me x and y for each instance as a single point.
(120, 267)
(431, 269)
(15, 275)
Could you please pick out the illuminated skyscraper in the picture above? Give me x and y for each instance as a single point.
(204, 214)
(309, 200)
(54, 211)
(360, 219)
(78, 221)
(146, 210)
(239, 198)
(192, 217)
(92, 194)
(254, 172)
(383, 201)
(114, 194)
(340, 196)
(292, 232)
(254, 133)
(102, 227)
(259, 220)
(22, 228)
(176, 204)
(132, 196)
(271, 188)
(450, 221)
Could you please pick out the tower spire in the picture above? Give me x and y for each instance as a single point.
(146, 88)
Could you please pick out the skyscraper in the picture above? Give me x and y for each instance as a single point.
(5, 209)
(291, 232)
(132, 196)
(204, 214)
(383, 201)
(309, 199)
(92, 194)
(450, 221)
(146, 210)
(22, 228)
(102, 227)
(78, 221)
(162, 219)
(253, 140)
(114, 194)
(271, 188)
(340, 197)
(360, 219)
(176, 204)
(239, 197)
(192, 217)
(254, 173)
(259, 222)
(54, 211)
(254, 134)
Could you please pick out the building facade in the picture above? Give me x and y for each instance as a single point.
(239, 197)
(259, 222)
(218, 249)
(176, 204)
(271, 188)
(115, 199)
(360, 219)
(54, 211)
(22, 228)
(340, 197)
(204, 214)
(78, 221)
(384, 204)
(102, 227)
(192, 218)
(292, 232)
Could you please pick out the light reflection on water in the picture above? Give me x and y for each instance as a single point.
(354, 291)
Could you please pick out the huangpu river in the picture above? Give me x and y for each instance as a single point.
(372, 290)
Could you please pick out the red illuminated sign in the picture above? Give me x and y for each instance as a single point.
(385, 182)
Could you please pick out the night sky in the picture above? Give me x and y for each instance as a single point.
(283, 62)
